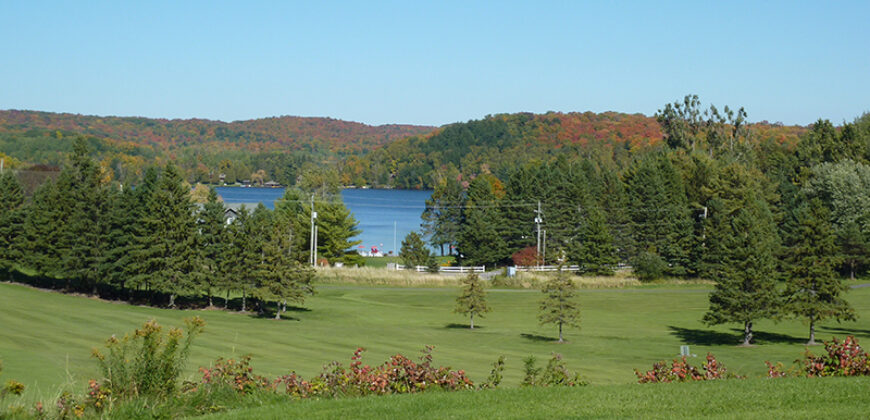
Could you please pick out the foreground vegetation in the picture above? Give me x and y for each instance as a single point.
(794, 398)
(622, 329)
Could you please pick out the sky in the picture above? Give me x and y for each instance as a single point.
(433, 63)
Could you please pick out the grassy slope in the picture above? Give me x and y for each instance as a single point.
(755, 398)
(43, 335)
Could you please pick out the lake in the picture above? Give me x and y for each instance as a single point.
(384, 216)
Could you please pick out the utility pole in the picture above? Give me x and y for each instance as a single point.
(312, 247)
(538, 220)
(544, 256)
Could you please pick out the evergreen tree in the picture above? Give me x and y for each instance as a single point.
(854, 247)
(242, 258)
(813, 289)
(11, 219)
(559, 306)
(414, 251)
(212, 241)
(659, 211)
(168, 254)
(131, 231)
(472, 300)
(87, 232)
(480, 242)
(282, 277)
(594, 251)
(335, 228)
(44, 227)
(741, 243)
(523, 190)
(443, 214)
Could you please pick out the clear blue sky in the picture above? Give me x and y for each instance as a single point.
(433, 62)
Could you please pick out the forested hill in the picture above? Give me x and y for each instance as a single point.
(498, 143)
(276, 133)
(401, 156)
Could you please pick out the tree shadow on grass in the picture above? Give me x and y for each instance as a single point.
(704, 337)
(455, 326)
(716, 338)
(844, 331)
(539, 338)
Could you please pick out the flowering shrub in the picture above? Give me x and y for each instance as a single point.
(236, 374)
(842, 359)
(399, 375)
(98, 396)
(681, 371)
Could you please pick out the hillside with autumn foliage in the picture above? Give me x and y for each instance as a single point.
(280, 148)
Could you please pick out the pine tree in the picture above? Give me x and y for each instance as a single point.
(414, 251)
(282, 277)
(443, 214)
(11, 219)
(660, 214)
(559, 306)
(472, 300)
(88, 226)
(480, 242)
(130, 270)
(212, 237)
(741, 244)
(168, 254)
(594, 251)
(44, 227)
(813, 289)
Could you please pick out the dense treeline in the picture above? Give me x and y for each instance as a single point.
(711, 200)
(91, 234)
(499, 143)
(272, 148)
(395, 156)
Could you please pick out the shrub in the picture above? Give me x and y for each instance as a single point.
(146, 363)
(11, 387)
(554, 374)
(649, 266)
(845, 358)
(238, 375)
(495, 375)
(526, 256)
(681, 371)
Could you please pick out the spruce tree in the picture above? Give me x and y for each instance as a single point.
(741, 243)
(443, 214)
(594, 250)
(414, 252)
(168, 253)
(282, 277)
(813, 289)
(212, 237)
(472, 300)
(480, 241)
(559, 305)
(242, 258)
(87, 231)
(11, 219)
(45, 227)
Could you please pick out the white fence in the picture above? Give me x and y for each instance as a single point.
(547, 268)
(449, 270)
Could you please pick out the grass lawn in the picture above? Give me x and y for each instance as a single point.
(46, 338)
(796, 398)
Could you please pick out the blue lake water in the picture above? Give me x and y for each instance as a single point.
(384, 216)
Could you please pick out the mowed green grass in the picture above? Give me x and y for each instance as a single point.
(46, 338)
(793, 398)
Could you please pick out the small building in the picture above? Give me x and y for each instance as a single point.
(272, 184)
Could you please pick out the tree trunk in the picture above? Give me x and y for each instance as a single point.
(277, 311)
(747, 333)
(812, 341)
(243, 300)
(561, 340)
(210, 303)
(172, 300)
(442, 249)
(227, 300)
(852, 270)
(472, 321)
(284, 305)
